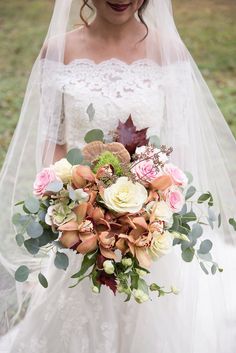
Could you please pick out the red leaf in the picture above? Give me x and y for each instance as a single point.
(108, 280)
(128, 135)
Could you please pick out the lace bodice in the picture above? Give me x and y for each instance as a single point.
(99, 95)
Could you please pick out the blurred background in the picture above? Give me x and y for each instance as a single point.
(208, 27)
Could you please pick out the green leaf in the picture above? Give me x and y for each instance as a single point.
(205, 247)
(154, 287)
(203, 198)
(190, 192)
(47, 237)
(203, 267)
(88, 261)
(134, 280)
(213, 269)
(61, 260)
(155, 140)
(55, 186)
(22, 274)
(32, 245)
(189, 176)
(32, 204)
(90, 111)
(189, 217)
(206, 257)
(219, 220)
(74, 156)
(197, 231)
(128, 298)
(34, 230)
(94, 135)
(20, 239)
(19, 203)
(188, 254)
(232, 222)
(16, 218)
(43, 280)
(143, 285)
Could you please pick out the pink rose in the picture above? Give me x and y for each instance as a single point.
(145, 170)
(43, 179)
(178, 176)
(174, 198)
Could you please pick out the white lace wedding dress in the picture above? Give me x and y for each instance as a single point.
(64, 320)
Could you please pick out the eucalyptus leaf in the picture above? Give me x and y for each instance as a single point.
(55, 186)
(19, 203)
(213, 269)
(94, 135)
(188, 254)
(90, 111)
(219, 220)
(61, 261)
(211, 215)
(190, 192)
(189, 176)
(32, 204)
(32, 245)
(43, 280)
(75, 157)
(20, 239)
(22, 273)
(184, 209)
(206, 257)
(42, 215)
(34, 230)
(197, 231)
(205, 247)
(155, 140)
(16, 218)
(203, 267)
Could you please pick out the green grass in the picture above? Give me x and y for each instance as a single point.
(207, 27)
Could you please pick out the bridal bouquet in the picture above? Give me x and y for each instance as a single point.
(120, 206)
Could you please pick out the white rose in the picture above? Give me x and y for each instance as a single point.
(140, 296)
(108, 267)
(125, 196)
(63, 170)
(161, 244)
(162, 211)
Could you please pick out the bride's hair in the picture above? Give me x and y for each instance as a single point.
(140, 13)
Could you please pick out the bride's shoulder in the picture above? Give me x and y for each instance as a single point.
(70, 43)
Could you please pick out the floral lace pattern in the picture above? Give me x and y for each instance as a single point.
(112, 90)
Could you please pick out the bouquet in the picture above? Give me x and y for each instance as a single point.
(120, 205)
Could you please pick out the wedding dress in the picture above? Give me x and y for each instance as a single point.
(165, 93)
(75, 320)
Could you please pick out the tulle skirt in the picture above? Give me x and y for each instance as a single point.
(200, 319)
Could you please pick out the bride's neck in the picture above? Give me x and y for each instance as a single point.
(116, 33)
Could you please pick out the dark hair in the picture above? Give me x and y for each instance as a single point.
(140, 13)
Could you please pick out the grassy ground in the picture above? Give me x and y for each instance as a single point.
(208, 27)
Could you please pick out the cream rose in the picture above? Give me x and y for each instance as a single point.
(63, 170)
(161, 244)
(125, 196)
(162, 211)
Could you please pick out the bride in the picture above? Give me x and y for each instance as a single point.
(124, 57)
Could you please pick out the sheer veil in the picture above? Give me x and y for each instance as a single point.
(203, 145)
